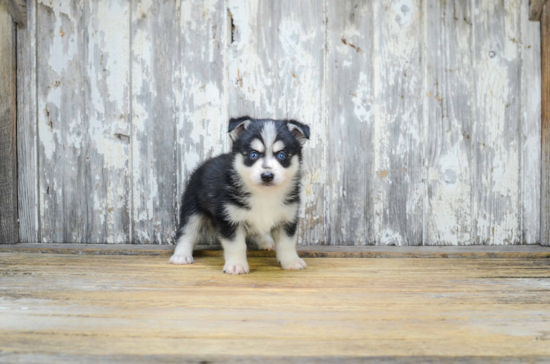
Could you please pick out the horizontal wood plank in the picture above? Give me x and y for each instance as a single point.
(309, 251)
(123, 306)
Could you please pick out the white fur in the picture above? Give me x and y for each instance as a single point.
(183, 254)
(269, 134)
(285, 247)
(267, 207)
(234, 252)
(278, 146)
(257, 145)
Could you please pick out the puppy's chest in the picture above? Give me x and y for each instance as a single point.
(265, 213)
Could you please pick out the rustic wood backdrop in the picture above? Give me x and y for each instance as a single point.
(425, 115)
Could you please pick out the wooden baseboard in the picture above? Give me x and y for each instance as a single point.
(472, 251)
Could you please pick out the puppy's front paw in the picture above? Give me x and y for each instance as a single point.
(181, 259)
(236, 268)
(293, 264)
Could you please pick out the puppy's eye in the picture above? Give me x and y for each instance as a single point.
(253, 155)
(281, 156)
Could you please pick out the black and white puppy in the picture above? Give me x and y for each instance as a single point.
(253, 192)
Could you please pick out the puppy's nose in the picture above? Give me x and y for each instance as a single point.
(267, 176)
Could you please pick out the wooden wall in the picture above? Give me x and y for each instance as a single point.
(425, 115)
(8, 148)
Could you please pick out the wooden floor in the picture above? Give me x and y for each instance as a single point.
(90, 308)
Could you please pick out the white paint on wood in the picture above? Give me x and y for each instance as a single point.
(496, 136)
(425, 117)
(83, 107)
(350, 125)
(202, 121)
(108, 109)
(449, 108)
(399, 94)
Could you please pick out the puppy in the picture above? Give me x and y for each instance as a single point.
(253, 192)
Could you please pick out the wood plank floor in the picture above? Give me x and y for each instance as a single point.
(90, 308)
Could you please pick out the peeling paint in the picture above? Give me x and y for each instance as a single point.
(425, 118)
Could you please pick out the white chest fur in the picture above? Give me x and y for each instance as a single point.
(267, 210)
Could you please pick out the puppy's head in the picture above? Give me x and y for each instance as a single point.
(268, 153)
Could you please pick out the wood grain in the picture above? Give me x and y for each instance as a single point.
(398, 113)
(123, 305)
(349, 210)
(62, 152)
(545, 129)
(83, 107)
(497, 123)
(307, 251)
(108, 131)
(199, 87)
(425, 116)
(535, 9)
(450, 121)
(27, 130)
(530, 135)
(18, 12)
(8, 147)
(156, 103)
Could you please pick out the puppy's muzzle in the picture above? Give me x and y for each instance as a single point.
(267, 177)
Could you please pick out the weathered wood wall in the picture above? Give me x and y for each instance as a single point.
(8, 149)
(425, 116)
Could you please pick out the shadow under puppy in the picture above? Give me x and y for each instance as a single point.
(253, 191)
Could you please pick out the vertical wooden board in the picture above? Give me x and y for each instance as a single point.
(155, 61)
(107, 133)
(448, 131)
(27, 130)
(202, 122)
(8, 151)
(497, 58)
(275, 70)
(398, 114)
(545, 128)
(530, 137)
(62, 157)
(349, 99)
(83, 97)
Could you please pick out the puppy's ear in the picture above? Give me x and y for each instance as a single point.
(299, 130)
(237, 126)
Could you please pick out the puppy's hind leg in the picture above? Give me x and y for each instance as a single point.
(188, 236)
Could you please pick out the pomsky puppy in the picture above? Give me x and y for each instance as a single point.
(252, 192)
